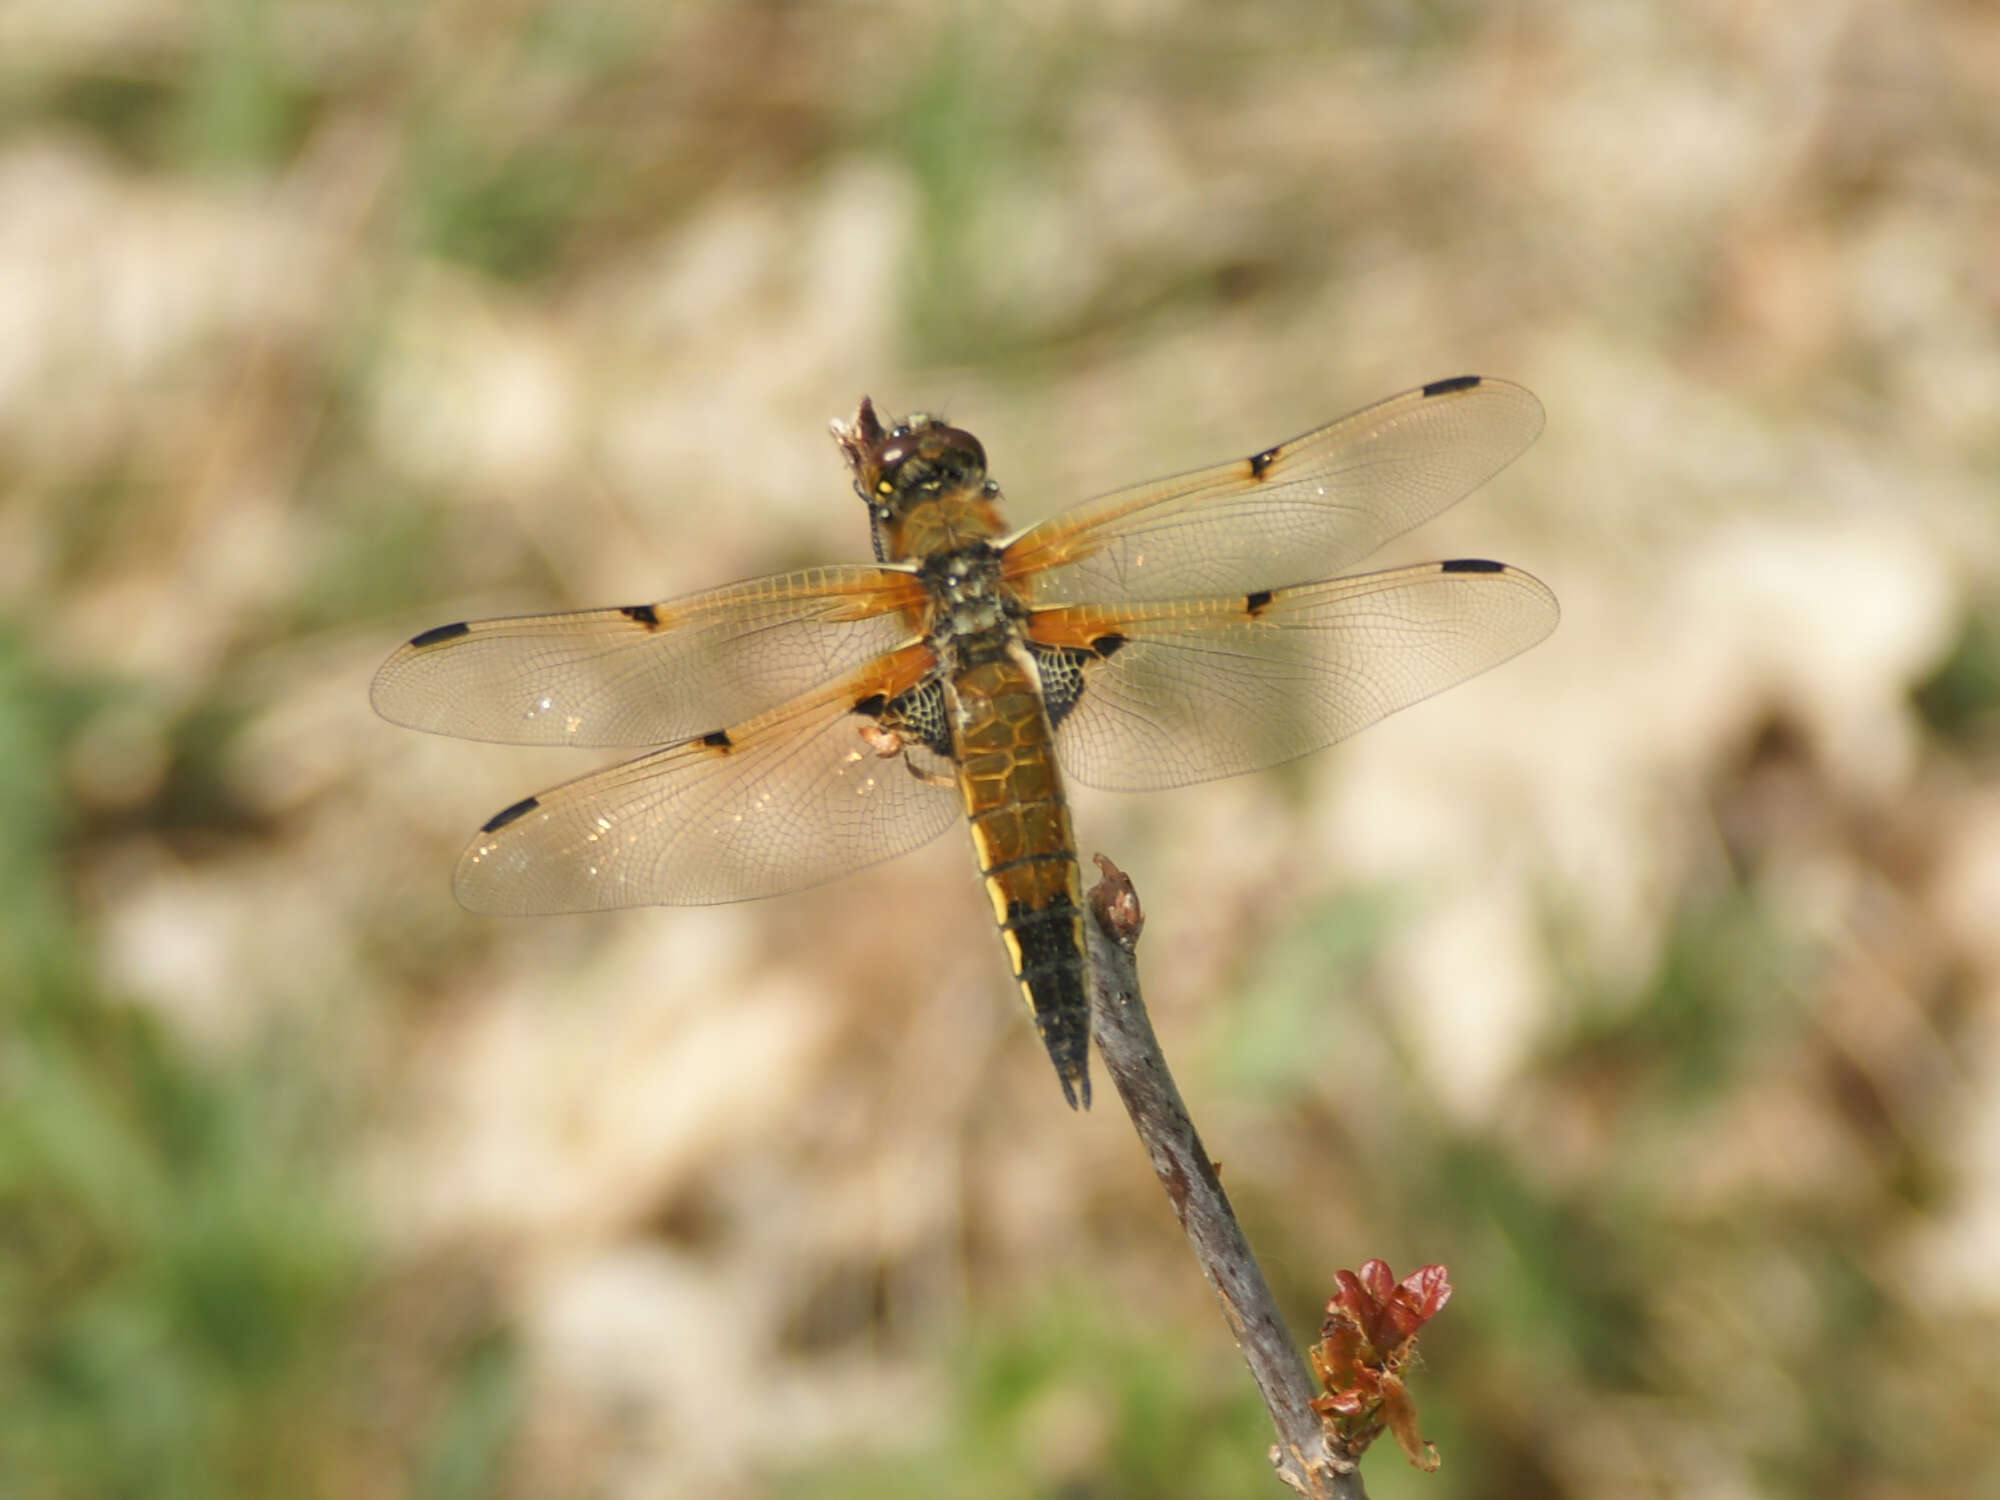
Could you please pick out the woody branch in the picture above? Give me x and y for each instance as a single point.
(1131, 1053)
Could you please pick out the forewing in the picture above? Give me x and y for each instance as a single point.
(1304, 509)
(1190, 690)
(648, 674)
(791, 798)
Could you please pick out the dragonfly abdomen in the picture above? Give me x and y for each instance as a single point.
(1027, 852)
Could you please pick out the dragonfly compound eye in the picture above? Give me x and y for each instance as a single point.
(932, 460)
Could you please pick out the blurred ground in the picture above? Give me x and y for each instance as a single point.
(1652, 982)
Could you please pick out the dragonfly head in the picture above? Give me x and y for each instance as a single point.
(924, 481)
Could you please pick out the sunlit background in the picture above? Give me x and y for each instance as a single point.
(1650, 982)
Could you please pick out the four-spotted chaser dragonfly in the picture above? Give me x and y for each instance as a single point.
(818, 721)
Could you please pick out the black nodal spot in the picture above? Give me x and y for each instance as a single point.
(872, 705)
(1471, 565)
(508, 815)
(1257, 602)
(440, 635)
(641, 614)
(1105, 644)
(1259, 462)
(717, 739)
(1455, 383)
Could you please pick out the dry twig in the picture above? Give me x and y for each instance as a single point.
(1131, 1053)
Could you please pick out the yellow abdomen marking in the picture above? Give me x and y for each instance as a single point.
(1027, 851)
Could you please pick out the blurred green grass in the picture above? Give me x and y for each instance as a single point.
(188, 1307)
(174, 1272)
(1062, 1400)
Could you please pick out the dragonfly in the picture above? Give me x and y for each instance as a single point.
(810, 723)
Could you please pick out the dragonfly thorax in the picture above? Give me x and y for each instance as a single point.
(970, 604)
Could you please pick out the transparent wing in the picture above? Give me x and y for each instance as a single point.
(647, 674)
(1190, 690)
(794, 797)
(1304, 509)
